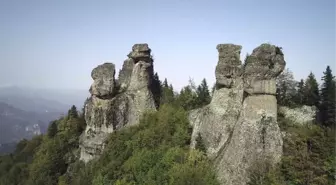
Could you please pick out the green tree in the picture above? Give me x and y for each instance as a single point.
(52, 129)
(200, 144)
(154, 152)
(156, 89)
(100, 180)
(203, 94)
(73, 113)
(311, 91)
(194, 169)
(286, 88)
(167, 95)
(187, 98)
(165, 83)
(299, 98)
(328, 101)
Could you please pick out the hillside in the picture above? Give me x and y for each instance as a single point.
(17, 124)
(259, 126)
(25, 112)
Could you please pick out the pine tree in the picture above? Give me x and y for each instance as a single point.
(311, 91)
(300, 93)
(327, 108)
(73, 113)
(281, 94)
(286, 88)
(156, 89)
(203, 94)
(52, 129)
(165, 83)
(187, 98)
(167, 95)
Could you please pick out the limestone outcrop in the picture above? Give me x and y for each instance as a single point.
(229, 67)
(216, 121)
(299, 115)
(116, 104)
(239, 126)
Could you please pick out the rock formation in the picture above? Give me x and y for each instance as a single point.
(299, 115)
(239, 126)
(115, 104)
(216, 121)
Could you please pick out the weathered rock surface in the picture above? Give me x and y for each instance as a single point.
(125, 73)
(115, 109)
(140, 52)
(239, 126)
(299, 115)
(216, 121)
(229, 65)
(104, 82)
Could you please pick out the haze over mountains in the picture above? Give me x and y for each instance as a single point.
(25, 112)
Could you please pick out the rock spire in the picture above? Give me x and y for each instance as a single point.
(117, 103)
(239, 126)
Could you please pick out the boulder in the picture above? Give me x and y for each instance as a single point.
(103, 80)
(140, 52)
(265, 62)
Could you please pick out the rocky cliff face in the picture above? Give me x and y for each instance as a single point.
(239, 126)
(117, 103)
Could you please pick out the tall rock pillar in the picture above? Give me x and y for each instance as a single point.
(256, 138)
(215, 122)
(239, 127)
(117, 103)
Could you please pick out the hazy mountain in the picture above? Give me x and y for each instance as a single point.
(25, 111)
(16, 124)
(42, 100)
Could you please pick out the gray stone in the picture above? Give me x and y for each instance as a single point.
(125, 73)
(265, 62)
(140, 52)
(299, 115)
(106, 115)
(216, 121)
(260, 86)
(255, 134)
(142, 75)
(239, 126)
(104, 82)
(229, 65)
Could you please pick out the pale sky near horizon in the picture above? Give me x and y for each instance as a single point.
(56, 44)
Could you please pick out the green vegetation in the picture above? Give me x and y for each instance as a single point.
(157, 150)
(328, 93)
(154, 152)
(43, 159)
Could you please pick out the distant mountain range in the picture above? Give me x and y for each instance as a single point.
(42, 100)
(25, 112)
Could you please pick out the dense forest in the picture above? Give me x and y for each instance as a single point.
(157, 151)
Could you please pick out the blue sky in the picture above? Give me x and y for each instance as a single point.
(56, 44)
